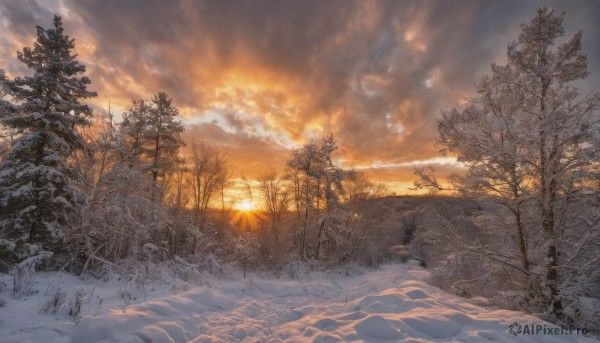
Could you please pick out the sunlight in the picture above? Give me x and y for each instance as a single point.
(245, 205)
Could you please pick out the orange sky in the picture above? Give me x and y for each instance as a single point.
(256, 78)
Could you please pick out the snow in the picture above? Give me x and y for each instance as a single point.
(393, 304)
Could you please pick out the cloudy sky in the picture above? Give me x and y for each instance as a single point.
(256, 78)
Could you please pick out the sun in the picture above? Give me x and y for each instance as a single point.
(245, 205)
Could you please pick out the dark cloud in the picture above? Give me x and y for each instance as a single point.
(275, 73)
(24, 15)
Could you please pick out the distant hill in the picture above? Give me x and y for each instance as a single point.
(405, 204)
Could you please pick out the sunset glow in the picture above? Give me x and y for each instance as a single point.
(245, 205)
(255, 84)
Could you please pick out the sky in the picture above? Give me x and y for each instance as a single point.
(257, 78)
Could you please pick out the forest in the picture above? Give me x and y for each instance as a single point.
(98, 196)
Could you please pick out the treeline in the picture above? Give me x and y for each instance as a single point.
(85, 193)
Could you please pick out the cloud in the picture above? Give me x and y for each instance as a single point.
(255, 78)
(247, 154)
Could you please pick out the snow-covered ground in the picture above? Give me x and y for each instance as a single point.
(392, 304)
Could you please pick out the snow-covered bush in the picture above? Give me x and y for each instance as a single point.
(55, 303)
(585, 311)
(24, 275)
(76, 302)
(135, 287)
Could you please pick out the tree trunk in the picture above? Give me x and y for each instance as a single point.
(222, 204)
(319, 238)
(37, 186)
(274, 227)
(305, 216)
(318, 194)
(156, 155)
(548, 195)
(522, 242)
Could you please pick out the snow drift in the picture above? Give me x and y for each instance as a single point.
(393, 304)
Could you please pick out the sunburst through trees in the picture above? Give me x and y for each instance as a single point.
(246, 215)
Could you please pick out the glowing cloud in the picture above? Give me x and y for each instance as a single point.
(256, 78)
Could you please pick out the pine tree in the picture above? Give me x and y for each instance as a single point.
(131, 138)
(149, 138)
(6, 134)
(39, 198)
(162, 135)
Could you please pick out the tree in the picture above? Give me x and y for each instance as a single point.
(358, 189)
(528, 142)
(224, 181)
(332, 175)
(6, 135)
(294, 176)
(557, 126)
(98, 157)
(39, 196)
(486, 136)
(320, 177)
(207, 168)
(132, 134)
(162, 135)
(304, 159)
(275, 197)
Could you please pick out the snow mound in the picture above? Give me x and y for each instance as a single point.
(376, 328)
(162, 320)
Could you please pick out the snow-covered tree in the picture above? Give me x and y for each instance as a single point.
(557, 127)
(149, 138)
(486, 136)
(331, 174)
(130, 144)
(315, 176)
(304, 160)
(528, 142)
(39, 198)
(7, 135)
(162, 135)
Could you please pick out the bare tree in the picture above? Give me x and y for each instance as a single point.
(224, 182)
(358, 189)
(275, 197)
(206, 172)
(294, 175)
